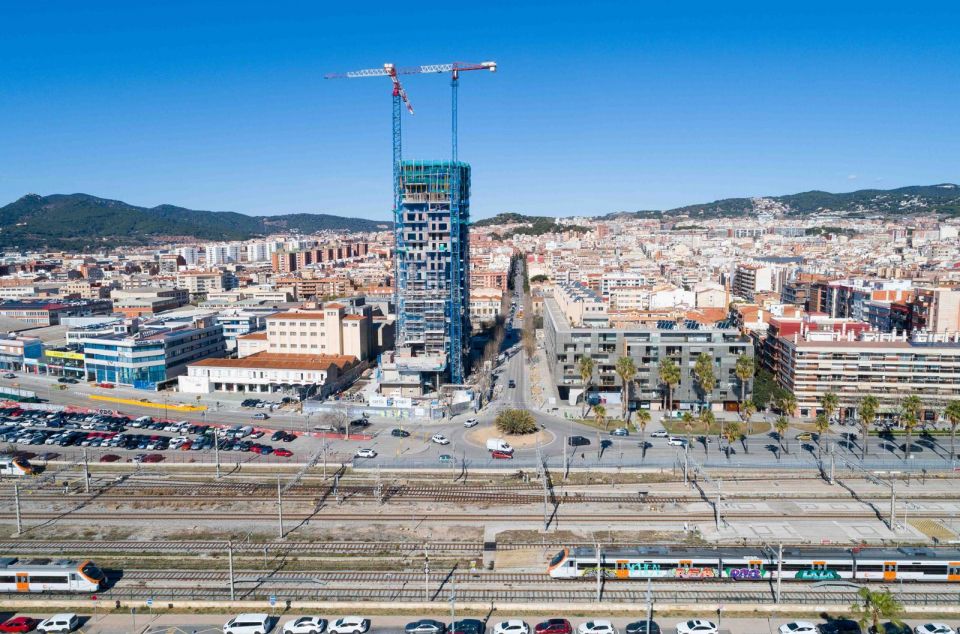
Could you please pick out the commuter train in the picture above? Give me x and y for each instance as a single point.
(744, 564)
(15, 466)
(45, 575)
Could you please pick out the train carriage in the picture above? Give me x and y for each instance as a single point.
(635, 563)
(45, 575)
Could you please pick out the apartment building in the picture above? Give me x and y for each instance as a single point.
(330, 330)
(647, 346)
(750, 279)
(146, 302)
(888, 366)
(203, 282)
(485, 304)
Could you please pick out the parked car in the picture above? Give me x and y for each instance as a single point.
(283, 453)
(798, 627)
(554, 626)
(350, 625)
(891, 628)
(66, 622)
(9, 375)
(440, 439)
(804, 436)
(640, 627)
(841, 626)
(365, 453)
(261, 416)
(659, 433)
(512, 384)
(513, 626)
(578, 441)
(305, 625)
(399, 433)
(620, 431)
(467, 626)
(501, 455)
(934, 628)
(696, 626)
(19, 624)
(426, 626)
(676, 441)
(248, 624)
(597, 626)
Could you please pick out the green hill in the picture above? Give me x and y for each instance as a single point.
(81, 221)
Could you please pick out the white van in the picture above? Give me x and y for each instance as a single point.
(499, 444)
(248, 624)
(60, 623)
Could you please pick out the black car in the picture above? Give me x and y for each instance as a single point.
(288, 437)
(892, 628)
(841, 626)
(512, 383)
(426, 626)
(399, 433)
(578, 441)
(66, 379)
(277, 435)
(468, 626)
(640, 627)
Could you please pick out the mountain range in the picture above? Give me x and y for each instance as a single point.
(80, 221)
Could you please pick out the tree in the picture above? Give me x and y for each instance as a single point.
(536, 279)
(687, 419)
(744, 370)
(733, 431)
(585, 367)
(952, 413)
(822, 424)
(643, 418)
(829, 403)
(781, 425)
(765, 389)
(749, 409)
(626, 370)
(600, 414)
(787, 404)
(706, 376)
(515, 422)
(669, 376)
(909, 418)
(708, 420)
(868, 413)
(877, 606)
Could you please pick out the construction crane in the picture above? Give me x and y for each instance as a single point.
(456, 254)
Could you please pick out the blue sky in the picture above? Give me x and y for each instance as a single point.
(597, 106)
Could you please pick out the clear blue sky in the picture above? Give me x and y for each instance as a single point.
(597, 107)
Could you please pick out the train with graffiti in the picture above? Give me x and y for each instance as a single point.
(746, 564)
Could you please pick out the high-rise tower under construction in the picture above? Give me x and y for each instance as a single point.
(432, 263)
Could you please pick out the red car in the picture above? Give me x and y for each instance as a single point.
(106, 385)
(153, 457)
(554, 626)
(501, 455)
(19, 624)
(283, 453)
(109, 457)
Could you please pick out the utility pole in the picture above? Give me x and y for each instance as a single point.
(230, 563)
(599, 573)
(279, 509)
(893, 507)
(716, 508)
(566, 458)
(325, 458)
(426, 576)
(453, 601)
(833, 448)
(649, 602)
(86, 473)
(779, 569)
(16, 497)
(686, 478)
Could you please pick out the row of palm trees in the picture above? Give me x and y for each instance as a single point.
(869, 407)
(704, 373)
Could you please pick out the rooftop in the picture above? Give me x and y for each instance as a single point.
(275, 361)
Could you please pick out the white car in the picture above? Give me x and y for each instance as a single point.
(365, 453)
(440, 439)
(66, 622)
(471, 422)
(259, 623)
(597, 626)
(350, 625)
(660, 433)
(513, 626)
(676, 441)
(305, 625)
(696, 626)
(799, 627)
(934, 628)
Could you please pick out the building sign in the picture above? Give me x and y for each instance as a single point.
(64, 354)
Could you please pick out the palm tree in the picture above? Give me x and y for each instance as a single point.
(669, 376)
(781, 426)
(585, 367)
(952, 412)
(829, 402)
(643, 417)
(707, 418)
(822, 424)
(744, 370)
(748, 411)
(600, 415)
(626, 370)
(734, 431)
(877, 606)
(909, 417)
(787, 404)
(688, 425)
(706, 375)
(869, 405)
